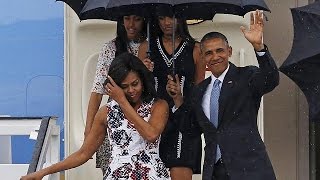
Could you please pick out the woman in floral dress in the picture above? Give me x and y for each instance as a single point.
(134, 120)
(130, 33)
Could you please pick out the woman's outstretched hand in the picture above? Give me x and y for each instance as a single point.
(32, 176)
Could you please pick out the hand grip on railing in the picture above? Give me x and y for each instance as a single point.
(33, 135)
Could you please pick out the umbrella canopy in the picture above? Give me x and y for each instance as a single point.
(76, 5)
(187, 9)
(206, 9)
(303, 62)
(113, 9)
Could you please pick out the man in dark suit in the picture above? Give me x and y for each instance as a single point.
(225, 106)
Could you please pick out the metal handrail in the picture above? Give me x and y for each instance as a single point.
(38, 147)
(47, 147)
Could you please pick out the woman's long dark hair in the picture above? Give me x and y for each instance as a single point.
(122, 38)
(125, 63)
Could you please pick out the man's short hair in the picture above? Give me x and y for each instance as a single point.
(213, 35)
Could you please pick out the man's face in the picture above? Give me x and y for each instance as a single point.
(216, 53)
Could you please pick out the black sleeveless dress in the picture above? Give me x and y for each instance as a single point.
(177, 149)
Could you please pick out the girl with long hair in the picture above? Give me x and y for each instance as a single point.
(131, 31)
(180, 152)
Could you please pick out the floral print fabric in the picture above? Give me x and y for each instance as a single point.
(132, 156)
(106, 56)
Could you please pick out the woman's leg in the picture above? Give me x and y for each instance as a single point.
(181, 173)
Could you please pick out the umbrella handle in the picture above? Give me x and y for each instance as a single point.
(174, 80)
(173, 46)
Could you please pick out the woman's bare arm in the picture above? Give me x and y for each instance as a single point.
(152, 129)
(142, 53)
(143, 56)
(88, 148)
(93, 107)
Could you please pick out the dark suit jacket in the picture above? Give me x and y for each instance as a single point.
(243, 152)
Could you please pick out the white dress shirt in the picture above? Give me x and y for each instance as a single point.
(207, 94)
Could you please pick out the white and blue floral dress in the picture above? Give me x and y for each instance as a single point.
(132, 157)
(106, 56)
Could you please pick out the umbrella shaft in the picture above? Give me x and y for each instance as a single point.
(148, 39)
(173, 45)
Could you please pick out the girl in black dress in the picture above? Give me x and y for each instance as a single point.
(181, 152)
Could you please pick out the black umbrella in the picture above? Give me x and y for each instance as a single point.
(303, 62)
(206, 9)
(186, 9)
(303, 67)
(76, 5)
(113, 9)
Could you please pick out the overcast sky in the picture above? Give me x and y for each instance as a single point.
(12, 11)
